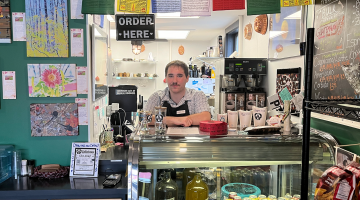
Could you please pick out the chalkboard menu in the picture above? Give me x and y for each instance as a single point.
(336, 69)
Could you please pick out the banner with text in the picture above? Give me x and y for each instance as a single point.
(133, 6)
(195, 8)
(289, 3)
(228, 5)
(98, 7)
(260, 7)
(166, 6)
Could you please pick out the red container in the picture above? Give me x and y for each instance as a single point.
(213, 127)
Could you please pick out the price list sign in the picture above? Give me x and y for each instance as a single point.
(336, 69)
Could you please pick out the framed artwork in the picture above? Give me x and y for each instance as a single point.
(284, 33)
(52, 80)
(290, 78)
(60, 119)
(47, 28)
(5, 21)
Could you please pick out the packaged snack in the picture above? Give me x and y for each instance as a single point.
(335, 184)
(354, 167)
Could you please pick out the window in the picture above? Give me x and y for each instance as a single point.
(232, 39)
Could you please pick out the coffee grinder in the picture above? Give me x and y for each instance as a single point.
(240, 86)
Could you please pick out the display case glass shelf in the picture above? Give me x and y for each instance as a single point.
(135, 78)
(247, 164)
(133, 61)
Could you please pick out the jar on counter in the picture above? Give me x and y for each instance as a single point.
(30, 167)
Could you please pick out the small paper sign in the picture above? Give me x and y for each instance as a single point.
(298, 101)
(9, 84)
(285, 95)
(84, 159)
(274, 102)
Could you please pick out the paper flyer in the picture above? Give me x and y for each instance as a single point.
(82, 80)
(19, 26)
(76, 9)
(9, 85)
(195, 8)
(84, 159)
(274, 102)
(77, 43)
(82, 110)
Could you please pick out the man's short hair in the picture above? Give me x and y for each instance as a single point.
(177, 63)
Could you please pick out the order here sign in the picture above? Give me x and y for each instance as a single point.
(135, 27)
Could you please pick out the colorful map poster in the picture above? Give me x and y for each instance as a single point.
(5, 25)
(288, 3)
(133, 6)
(47, 28)
(52, 80)
(58, 119)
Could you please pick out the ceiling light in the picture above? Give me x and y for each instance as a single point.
(174, 34)
(274, 34)
(172, 15)
(110, 18)
(296, 15)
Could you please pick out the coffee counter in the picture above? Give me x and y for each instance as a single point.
(114, 160)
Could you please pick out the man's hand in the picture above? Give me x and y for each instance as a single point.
(178, 121)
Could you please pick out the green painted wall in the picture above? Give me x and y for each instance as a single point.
(15, 114)
(343, 134)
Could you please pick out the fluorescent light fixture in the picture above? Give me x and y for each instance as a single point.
(296, 15)
(110, 18)
(113, 33)
(172, 34)
(172, 15)
(274, 34)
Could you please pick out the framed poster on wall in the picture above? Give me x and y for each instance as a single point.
(5, 21)
(285, 33)
(290, 79)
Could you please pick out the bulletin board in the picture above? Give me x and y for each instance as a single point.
(15, 112)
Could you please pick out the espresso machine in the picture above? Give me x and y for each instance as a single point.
(240, 86)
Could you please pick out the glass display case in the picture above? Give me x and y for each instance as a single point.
(183, 167)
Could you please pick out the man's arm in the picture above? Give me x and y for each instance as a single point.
(186, 121)
(199, 117)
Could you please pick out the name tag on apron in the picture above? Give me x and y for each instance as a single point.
(179, 112)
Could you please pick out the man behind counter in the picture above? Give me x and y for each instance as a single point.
(185, 107)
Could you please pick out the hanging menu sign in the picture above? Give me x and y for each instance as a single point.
(135, 27)
(336, 69)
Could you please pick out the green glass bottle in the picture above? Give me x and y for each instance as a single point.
(197, 189)
(166, 189)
